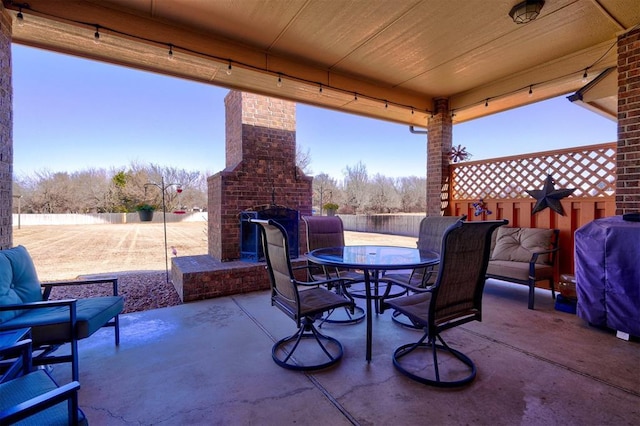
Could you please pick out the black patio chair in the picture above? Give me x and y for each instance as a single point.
(432, 229)
(328, 231)
(302, 301)
(454, 299)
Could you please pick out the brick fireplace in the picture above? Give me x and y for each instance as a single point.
(260, 170)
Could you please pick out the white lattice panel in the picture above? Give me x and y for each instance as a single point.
(590, 170)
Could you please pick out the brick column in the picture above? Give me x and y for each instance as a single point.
(628, 161)
(439, 143)
(260, 168)
(6, 131)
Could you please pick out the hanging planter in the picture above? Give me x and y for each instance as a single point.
(145, 212)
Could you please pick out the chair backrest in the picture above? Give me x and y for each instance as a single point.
(457, 294)
(18, 280)
(284, 293)
(323, 231)
(432, 229)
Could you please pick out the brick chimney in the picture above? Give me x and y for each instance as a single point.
(260, 169)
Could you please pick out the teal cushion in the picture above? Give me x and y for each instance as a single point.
(51, 325)
(18, 280)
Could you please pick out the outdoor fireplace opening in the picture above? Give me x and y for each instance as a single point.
(250, 238)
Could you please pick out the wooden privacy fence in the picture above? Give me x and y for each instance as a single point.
(502, 183)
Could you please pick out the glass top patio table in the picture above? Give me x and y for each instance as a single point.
(373, 258)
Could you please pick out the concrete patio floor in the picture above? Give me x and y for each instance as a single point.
(210, 363)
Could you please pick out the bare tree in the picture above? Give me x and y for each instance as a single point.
(325, 190)
(303, 159)
(383, 196)
(413, 194)
(355, 187)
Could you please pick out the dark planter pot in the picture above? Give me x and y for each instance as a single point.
(145, 215)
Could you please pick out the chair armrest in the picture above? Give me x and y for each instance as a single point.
(41, 402)
(18, 359)
(38, 305)
(49, 285)
(536, 254)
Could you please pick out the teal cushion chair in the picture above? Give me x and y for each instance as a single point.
(24, 304)
(30, 396)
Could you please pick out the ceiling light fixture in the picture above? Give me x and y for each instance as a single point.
(585, 76)
(530, 91)
(96, 35)
(229, 68)
(526, 11)
(279, 83)
(170, 55)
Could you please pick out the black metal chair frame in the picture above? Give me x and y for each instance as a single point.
(426, 310)
(303, 306)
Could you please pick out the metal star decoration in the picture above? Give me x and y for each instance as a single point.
(548, 196)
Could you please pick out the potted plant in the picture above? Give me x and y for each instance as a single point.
(331, 208)
(145, 211)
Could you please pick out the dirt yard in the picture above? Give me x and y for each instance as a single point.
(65, 252)
(133, 252)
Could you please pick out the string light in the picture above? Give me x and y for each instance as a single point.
(20, 18)
(584, 76)
(486, 103)
(97, 36)
(530, 91)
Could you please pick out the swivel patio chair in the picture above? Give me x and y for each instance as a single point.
(453, 300)
(302, 301)
(328, 231)
(53, 323)
(432, 229)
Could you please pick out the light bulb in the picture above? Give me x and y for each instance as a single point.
(279, 83)
(20, 18)
(530, 91)
(320, 89)
(96, 35)
(486, 103)
(229, 69)
(584, 76)
(355, 97)
(170, 54)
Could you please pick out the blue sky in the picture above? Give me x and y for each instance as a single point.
(72, 114)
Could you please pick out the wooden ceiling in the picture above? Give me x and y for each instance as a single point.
(378, 58)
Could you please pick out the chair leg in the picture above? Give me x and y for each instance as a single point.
(116, 325)
(411, 370)
(307, 358)
(532, 292)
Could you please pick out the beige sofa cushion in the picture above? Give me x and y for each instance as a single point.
(518, 244)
